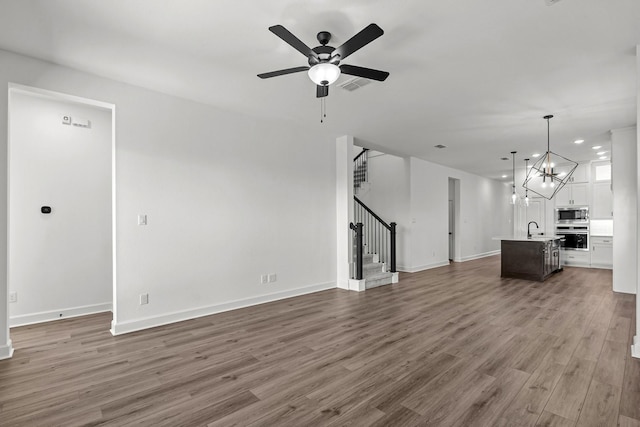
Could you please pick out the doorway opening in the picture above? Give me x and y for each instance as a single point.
(61, 198)
(454, 219)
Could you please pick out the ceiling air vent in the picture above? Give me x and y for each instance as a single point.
(354, 83)
(551, 2)
(440, 146)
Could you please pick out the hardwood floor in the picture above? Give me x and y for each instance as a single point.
(452, 346)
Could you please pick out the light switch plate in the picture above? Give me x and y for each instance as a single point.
(272, 277)
(13, 296)
(144, 299)
(142, 219)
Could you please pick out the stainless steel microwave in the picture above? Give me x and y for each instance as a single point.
(572, 215)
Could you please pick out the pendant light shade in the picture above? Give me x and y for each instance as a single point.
(550, 172)
(324, 74)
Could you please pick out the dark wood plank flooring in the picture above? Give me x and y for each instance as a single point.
(452, 346)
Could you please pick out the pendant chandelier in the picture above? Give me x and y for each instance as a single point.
(544, 178)
(526, 189)
(514, 196)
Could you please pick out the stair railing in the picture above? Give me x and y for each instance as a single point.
(357, 228)
(360, 169)
(378, 237)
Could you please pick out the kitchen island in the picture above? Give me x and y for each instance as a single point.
(533, 258)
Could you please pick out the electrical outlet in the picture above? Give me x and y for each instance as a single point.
(272, 277)
(264, 279)
(144, 299)
(13, 296)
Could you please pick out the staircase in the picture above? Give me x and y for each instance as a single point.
(374, 244)
(360, 175)
(374, 273)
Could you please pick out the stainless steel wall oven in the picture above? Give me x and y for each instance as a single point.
(576, 236)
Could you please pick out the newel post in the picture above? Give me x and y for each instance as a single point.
(393, 246)
(358, 229)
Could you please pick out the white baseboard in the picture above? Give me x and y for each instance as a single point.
(6, 351)
(343, 284)
(118, 328)
(635, 348)
(422, 267)
(478, 256)
(64, 313)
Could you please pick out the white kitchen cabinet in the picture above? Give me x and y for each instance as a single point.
(575, 258)
(602, 201)
(601, 252)
(581, 174)
(573, 195)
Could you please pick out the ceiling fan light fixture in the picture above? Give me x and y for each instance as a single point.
(324, 74)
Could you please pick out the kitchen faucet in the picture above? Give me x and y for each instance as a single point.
(529, 230)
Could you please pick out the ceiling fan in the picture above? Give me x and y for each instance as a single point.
(324, 61)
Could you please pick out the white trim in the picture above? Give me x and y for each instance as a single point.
(118, 328)
(6, 351)
(422, 267)
(357, 285)
(65, 313)
(478, 256)
(635, 348)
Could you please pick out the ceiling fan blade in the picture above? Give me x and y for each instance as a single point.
(368, 73)
(322, 91)
(292, 40)
(282, 72)
(364, 37)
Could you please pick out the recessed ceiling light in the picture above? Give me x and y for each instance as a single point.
(504, 158)
(440, 146)
(600, 153)
(535, 155)
(578, 141)
(603, 157)
(504, 176)
(597, 147)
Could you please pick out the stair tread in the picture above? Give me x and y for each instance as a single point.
(379, 275)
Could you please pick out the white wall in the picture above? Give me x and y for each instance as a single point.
(228, 198)
(625, 199)
(60, 263)
(635, 350)
(344, 208)
(415, 194)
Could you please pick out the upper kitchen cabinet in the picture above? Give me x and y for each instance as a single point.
(576, 191)
(602, 206)
(573, 195)
(581, 174)
(602, 200)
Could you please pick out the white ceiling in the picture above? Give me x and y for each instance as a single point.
(476, 76)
